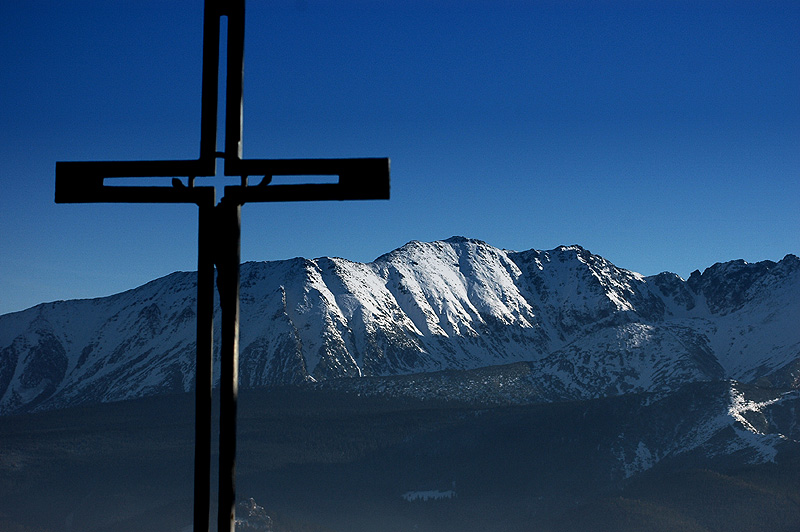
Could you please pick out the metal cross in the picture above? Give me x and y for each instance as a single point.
(219, 231)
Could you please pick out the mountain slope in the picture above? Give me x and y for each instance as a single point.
(336, 461)
(586, 328)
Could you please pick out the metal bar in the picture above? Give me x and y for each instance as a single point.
(95, 192)
(234, 82)
(104, 169)
(83, 182)
(210, 82)
(311, 192)
(204, 367)
(368, 167)
(359, 179)
(228, 237)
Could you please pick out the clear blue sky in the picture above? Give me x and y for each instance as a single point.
(661, 135)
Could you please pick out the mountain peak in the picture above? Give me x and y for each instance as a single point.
(461, 239)
(573, 247)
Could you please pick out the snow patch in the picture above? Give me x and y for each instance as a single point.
(429, 495)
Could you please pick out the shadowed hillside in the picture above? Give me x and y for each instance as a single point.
(327, 461)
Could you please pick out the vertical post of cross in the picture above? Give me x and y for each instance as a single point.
(228, 227)
(210, 82)
(234, 83)
(228, 220)
(206, 259)
(204, 367)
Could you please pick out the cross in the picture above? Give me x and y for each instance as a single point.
(219, 231)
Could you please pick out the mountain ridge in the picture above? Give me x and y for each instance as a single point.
(586, 327)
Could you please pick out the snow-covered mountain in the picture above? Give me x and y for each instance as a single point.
(582, 327)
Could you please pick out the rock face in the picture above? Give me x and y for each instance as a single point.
(581, 327)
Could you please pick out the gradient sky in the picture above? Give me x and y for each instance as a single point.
(664, 136)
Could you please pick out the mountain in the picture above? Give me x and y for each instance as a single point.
(584, 327)
(444, 386)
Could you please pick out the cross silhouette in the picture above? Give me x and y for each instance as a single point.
(219, 231)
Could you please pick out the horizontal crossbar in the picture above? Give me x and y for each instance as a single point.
(272, 167)
(82, 182)
(359, 179)
(102, 169)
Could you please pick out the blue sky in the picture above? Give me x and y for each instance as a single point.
(660, 135)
